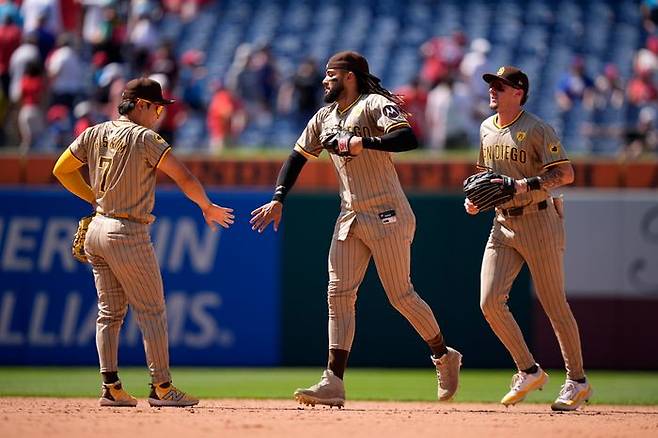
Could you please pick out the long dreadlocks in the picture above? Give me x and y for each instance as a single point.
(369, 84)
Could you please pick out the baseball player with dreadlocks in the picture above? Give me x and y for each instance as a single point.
(361, 127)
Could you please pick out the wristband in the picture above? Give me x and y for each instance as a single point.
(534, 183)
(280, 193)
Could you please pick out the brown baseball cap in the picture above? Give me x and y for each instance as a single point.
(349, 60)
(147, 89)
(510, 75)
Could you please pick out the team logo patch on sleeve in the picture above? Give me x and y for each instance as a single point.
(158, 139)
(554, 148)
(391, 111)
(520, 136)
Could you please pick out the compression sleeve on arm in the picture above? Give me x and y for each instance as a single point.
(288, 175)
(67, 171)
(400, 140)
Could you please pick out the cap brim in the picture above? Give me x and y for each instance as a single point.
(490, 77)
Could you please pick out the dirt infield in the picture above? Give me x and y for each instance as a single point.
(74, 418)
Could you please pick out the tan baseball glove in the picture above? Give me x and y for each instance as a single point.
(78, 248)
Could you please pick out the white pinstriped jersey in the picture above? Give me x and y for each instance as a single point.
(370, 190)
(122, 157)
(522, 148)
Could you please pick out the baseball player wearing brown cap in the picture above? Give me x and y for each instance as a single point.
(362, 125)
(527, 229)
(122, 156)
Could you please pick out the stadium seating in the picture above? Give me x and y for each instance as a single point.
(540, 36)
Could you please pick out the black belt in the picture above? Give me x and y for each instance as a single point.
(518, 211)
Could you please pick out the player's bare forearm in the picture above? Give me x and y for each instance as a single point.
(557, 176)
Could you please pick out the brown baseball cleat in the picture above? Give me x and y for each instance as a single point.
(114, 395)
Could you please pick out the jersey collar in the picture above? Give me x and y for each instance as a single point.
(495, 120)
(349, 107)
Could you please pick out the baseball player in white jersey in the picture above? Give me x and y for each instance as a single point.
(527, 229)
(122, 157)
(362, 125)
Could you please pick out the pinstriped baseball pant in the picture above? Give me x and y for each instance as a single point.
(348, 261)
(538, 239)
(126, 272)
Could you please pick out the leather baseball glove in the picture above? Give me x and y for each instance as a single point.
(486, 194)
(339, 143)
(78, 248)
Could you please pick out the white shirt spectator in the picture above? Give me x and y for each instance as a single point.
(33, 9)
(65, 71)
(24, 54)
(145, 35)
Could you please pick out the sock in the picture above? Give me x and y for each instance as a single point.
(438, 346)
(583, 380)
(110, 377)
(338, 362)
(532, 370)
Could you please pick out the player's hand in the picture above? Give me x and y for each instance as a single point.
(470, 207)
(263, 215)
(215, 214)
(356, 146)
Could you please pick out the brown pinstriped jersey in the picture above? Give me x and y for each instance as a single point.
(122, 157)
(369, 184)
(523, 148)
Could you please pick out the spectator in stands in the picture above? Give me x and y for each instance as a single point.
(58, 132)
(442, 56)
(34, 10)
(301, 96)
(45, 37)
(226, 118)
(30, 115)
(193, 76)
(26, 53)
(414, 96)
(643, 137)
(65, 72)
(144, 39)
(609, 89)
(257, 85)
(9, 9)
(575, 88)
(475, 63)
(103, 31)
(448, 116)
(649, 10)
(641, 89)
(84, 117)
(163, 60)
(10, 39)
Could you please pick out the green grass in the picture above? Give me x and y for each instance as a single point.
(611, 387)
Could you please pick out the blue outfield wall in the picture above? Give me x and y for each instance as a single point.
(222, 294)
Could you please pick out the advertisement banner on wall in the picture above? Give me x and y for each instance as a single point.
(612, 243)
(222, 295)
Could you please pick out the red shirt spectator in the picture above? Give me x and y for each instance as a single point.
(641, 89)
(10, 39)
(32, 89)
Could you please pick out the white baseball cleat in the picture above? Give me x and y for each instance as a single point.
(523, 384)
(572, 395)
(447, 373)
(329, 391)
